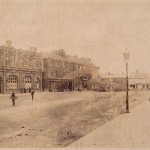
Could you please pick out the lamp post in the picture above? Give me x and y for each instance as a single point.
(126, 58)
(73, 76)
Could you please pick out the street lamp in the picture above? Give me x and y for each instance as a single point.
(73, 76)
(126, 58)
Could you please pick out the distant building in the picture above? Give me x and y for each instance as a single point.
(20, 70)
(111, 82)
(139, 81)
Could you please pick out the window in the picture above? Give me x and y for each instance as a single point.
(56, 64)
(36, 64)
(51, 74)
(12, 82)
(27, 82)
(8, 59)
(23, 61)
(39, 61)
(76, 66)
(30, 62)
(50, 64)
(83, 67)
(1, 58)
(37, 83)
(13, 60)
(56, 73)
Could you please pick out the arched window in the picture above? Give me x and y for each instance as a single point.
(12, 82)
(27, 82)
(37, 83)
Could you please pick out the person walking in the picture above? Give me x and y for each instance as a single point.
(13, 97)
(32, 94)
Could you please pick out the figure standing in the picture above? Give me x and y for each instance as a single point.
(13, 97)
(32, 94)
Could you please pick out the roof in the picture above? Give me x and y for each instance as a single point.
(79, 60)
(139, 75)
(68, 58)
(137, 80)
(113, 76)
(51, 55)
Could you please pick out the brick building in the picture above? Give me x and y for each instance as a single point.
(62, 72)
(20, 70)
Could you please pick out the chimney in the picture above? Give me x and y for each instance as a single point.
(9, 43)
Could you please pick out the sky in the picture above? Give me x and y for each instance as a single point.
(99, 29)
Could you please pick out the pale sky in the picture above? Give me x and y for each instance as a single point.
(101, 30)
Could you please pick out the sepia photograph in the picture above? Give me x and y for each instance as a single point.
(75, 74)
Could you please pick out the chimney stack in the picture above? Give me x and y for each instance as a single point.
(9, 43)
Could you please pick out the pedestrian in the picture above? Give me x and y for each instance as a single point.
(13, 97)
(32, 94)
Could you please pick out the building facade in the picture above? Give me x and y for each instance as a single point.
(20, 70)
(63, 72)
(25, 70)
(137, 81)
(112, 82)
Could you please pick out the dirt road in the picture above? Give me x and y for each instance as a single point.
(56, 120)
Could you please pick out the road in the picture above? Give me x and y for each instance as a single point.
(58, 119)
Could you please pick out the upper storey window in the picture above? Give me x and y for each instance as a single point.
(8, 60)
(1, 59)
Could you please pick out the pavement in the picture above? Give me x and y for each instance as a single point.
(130, 130)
